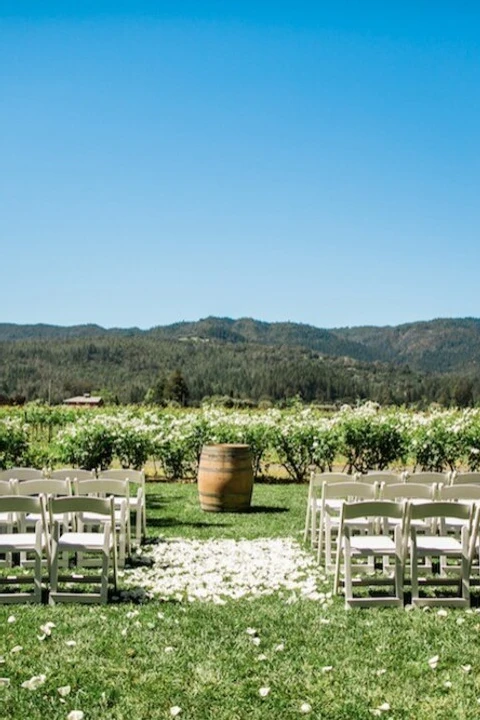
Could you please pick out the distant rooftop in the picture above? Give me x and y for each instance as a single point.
(87, 399)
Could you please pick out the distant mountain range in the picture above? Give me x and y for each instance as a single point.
(440, 346)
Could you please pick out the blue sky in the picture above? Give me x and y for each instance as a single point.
(314, 162)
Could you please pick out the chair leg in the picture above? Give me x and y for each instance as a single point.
(307, 522)
(104, 579)
(54, 569)
(414, 571)
(38, 576)
(348, 568)
(138, 527)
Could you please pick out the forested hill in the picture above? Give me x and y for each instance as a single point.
(243, 359)
(443, 345)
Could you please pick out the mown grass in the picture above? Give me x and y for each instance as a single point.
(199, 657)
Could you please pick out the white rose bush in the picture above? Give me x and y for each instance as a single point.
(358, 439)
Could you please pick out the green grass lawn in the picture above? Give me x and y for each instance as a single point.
(137, 661)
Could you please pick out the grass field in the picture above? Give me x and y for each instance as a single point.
(260, 657)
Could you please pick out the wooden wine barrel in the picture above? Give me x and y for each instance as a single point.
(225, 478)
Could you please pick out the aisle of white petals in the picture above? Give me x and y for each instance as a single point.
(216, 570)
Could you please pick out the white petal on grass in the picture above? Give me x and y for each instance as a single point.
(169, 649)
(4, 682)
(305, 708)
(256, 641)
(264, 691)
(75, 715)
(466, 668)
(64, 690)
(70, 643)
(16, 649)
(380, 672)
(175, 710)
(326, 668)
(433, 662)
(384, 707)
(35, 682)
(251, 631)
(448, 684)
(261, 657)
(280, 647)
(11, 619)
(460, 621)
(442, 612)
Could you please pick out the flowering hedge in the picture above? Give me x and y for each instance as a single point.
(359, 439)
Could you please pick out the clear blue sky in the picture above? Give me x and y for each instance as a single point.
(164, 161)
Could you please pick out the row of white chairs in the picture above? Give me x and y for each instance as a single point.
(408, 545)
(401, 483)
(135, 478)
(71, 524)
(94, 487)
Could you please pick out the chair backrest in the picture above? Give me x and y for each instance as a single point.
(319, 478)
(374, 509)
(439, 509)
(408, 491)
(45, 487)
(80, 504)
(349, 490)
(466, 478)
(460, 492)
(385, 477)
(72, 474)
(428, 478)
(135, 476)
(21, 473)
(98, 487)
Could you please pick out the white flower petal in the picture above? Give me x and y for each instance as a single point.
(4, 682)
(264, 691)
(75, 715)
(64, 690)
(175, 710)
(35, 682)
(11, 619)
(305, 708)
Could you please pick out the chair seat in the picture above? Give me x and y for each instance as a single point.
(372, 543)
(16, 542)
(82, 541)
(98, 518)
(438, 543)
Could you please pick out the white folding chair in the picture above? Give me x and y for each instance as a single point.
(415, 493)
(314, 500)
(17, 540)
(101, 542)
(119, 490)
(372, 544)
(443, 545)
(137, 498)
(333, 497)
